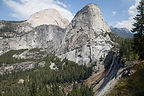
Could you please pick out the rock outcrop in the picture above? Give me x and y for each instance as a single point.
(48, 17)
(114, 70)
(17, 67)
(105, 79)
(86, 39)
(45, 36)
(12, 29)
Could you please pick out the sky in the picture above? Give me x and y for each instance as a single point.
(117, 13)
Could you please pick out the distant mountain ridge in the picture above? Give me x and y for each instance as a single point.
(122, 32)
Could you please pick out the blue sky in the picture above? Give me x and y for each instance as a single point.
(118, 13)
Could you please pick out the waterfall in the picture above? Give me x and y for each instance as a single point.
(113, 65)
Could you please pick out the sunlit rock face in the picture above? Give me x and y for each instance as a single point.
(48, 37)
(86, 41)
(48, 17)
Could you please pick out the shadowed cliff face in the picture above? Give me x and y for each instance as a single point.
(103, 81)
(114, 71)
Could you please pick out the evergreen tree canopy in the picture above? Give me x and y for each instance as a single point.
(139, 24)
(139, 31)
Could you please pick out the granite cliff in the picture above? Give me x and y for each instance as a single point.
(85, 41)
(48, 17)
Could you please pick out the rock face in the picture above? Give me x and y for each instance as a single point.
(12, 29)
(86, 41)
(41, 37)
(31, 54)
(45, 36)
(48, 17)
(105, 79)
(114, 70)
(17, 67)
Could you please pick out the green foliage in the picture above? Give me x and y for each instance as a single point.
(42, 81)
(68, 71)
(139, 19)
(83, 90)
(139, 45)
(37, 51)
(133, 49)
(125, 47)
(134, 56)
(139, 31)
(7, 58)
(115, 38)
(7, 28)
(132, 86)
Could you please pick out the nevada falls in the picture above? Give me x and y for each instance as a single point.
(85, 41)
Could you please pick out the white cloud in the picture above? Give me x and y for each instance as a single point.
(132, 13)
(22, 9)
(114, 12)
(61, 3)
(133, 9)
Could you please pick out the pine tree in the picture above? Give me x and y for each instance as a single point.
(139, 31)
(139, 24)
